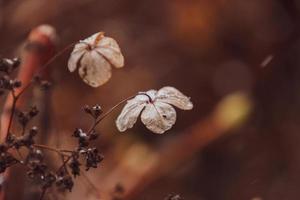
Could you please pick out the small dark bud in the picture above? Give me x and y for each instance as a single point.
(10, 140)
(97, 111)
(23, 118)
(77, 132)
(48, 180)
(93, 136)
(45, 85)
(33, 131)
(3, 148)
(6, 160)
(87, 109)
(64, 181)
(94, 111)
(5, 64)
(37, 79)
(75, 166)
(33, 111)
(93, 158)
(16, 63)
(17, 84)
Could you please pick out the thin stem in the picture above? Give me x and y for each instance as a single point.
(43, 193)
(108, 112)
(92, 185)
(20, 155)
(60, 152)
(13, 109)
(64, 164)
(50, 61)
(16, 96)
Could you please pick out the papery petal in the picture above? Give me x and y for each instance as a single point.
(76, 55)
(174, 97)
(91, 40)
(159, 117)
(130, 112)
(94, 69)
(110, 49)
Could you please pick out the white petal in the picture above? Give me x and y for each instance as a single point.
(108, 42)
(76, 55)
(92, 39)
(159, 117)
(130, 112)
(94, 69)
(110, 49)
(174, 97)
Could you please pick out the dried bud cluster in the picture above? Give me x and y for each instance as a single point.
(25, 117)
(6, 159)
(7, 66)
(94, 58)
(44, 84)
(34, 160)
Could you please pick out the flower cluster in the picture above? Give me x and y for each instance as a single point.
(94, 58)
(34, 160)
(21, 148)
(7, 66)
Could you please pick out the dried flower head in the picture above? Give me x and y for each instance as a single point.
(94, 57)
(157, 113)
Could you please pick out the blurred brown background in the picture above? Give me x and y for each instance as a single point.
(208, 49)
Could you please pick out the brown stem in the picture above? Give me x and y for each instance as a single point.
(12, 112)
(60, 152)
(91, 184)
(64, 164)
(108, 112)
(43, 193)
(50, 61)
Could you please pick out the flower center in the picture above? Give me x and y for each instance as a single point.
(147, 95)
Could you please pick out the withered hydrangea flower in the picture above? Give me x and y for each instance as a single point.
(94, 57)
(156, 106)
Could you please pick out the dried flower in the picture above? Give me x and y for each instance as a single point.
(157, 113)
(94, 57)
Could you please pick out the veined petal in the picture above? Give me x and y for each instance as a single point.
(110, 49)
(76, 55)
(159, 117)
(174, 97)
(114, 57)
(130, 112)
(94, 69)
(108, 42)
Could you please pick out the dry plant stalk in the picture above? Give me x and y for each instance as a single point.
(38, 50)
